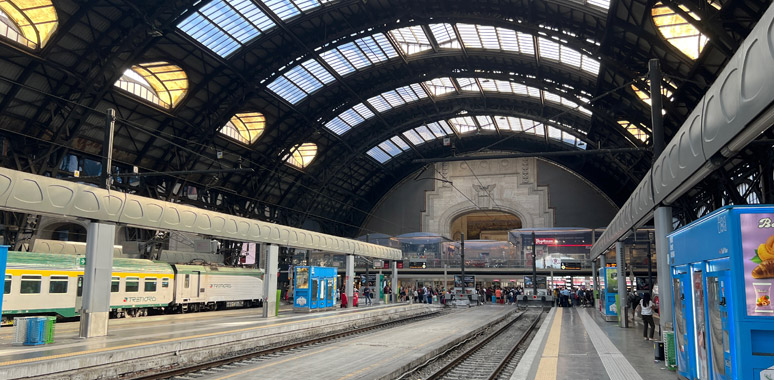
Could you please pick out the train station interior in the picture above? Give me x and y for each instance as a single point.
(387, 189)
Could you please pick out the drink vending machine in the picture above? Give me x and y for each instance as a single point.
(722, 268)
(608, 293)
(314, 288)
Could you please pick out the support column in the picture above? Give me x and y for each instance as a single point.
(95, 307)
(270, 281)
(394, 265)
(350, 279)
(663, 221)
(620, 264)
(595, 280)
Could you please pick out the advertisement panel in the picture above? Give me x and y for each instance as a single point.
(758, 256)
(611, 280)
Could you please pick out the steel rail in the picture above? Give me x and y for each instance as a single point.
(515, 348)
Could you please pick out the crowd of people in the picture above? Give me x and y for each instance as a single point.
(571, 296)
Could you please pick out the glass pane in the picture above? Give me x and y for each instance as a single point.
(700, 326)
(302, 278)
(150, 284)
(314, 287)
(115, 283)
(132, 284)
(58, 284)
(7, 289)
(187, 281)
(165, 283)
(715, 326)
(680, 318)
(30, 284)
(80, 286)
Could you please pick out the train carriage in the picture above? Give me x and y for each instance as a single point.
(41, 283)
(138, 287)
(204, 287)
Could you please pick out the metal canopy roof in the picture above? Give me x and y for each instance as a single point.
(348, 76)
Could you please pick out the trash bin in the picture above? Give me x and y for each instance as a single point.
(36, 331)
(20, 330)
(658, 348)
(50, 325)
(494, 299)
(669, 352)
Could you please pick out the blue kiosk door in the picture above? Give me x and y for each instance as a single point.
(682, 296)
(718, 324)
(699, 321)
(313, 295)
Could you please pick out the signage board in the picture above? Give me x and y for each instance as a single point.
(758, 256)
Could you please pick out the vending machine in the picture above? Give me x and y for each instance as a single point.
(608, 293)
(314, 288)
(722, 268)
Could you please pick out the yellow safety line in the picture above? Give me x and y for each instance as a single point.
(550, 359)
(30, 360)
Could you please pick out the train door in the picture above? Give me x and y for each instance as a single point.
(323, 293)
(331, 293)
(682, 296)
(699, 322)
(717, 283)
(198, 279)
(79, 294)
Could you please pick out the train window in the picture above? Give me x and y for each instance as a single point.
(30, 284)
(7, 289)
(187, 281)
(165, 282)
(58, 284)
(79, 292)
(150, 284)
(115, 284)
(132, 284)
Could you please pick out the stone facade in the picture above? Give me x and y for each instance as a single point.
(507, 185)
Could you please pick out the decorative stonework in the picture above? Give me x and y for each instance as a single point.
(507, 185)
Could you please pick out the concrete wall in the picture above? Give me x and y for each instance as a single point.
(574, 202)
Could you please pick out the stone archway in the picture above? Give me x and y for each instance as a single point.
(484, 225)
(505, 185)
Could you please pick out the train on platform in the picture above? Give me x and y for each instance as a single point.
(52, 284)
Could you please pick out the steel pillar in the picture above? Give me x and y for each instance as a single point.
(663, 220)
(270, 281)
(350, 279)
(95, 309)
(620, 264)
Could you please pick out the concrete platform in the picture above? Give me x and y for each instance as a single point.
(171, 340)
(378, 355)
(577, 343)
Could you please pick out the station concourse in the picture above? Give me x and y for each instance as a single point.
(387, 189)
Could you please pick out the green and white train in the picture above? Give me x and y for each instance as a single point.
(52, 284)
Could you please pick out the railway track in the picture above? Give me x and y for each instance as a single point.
(219, 365)
(488, 358)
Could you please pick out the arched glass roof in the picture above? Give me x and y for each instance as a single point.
(160, 83)
(462, 125)
(245, 127)
(28, 22)
(225, 26)
(386, 101)
(302, 80)
(301, 155)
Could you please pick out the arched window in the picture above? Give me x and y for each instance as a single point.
(28, 22)
(245, 127)
(637, 130)
(160, 83)
(678, 31)
(301, 155)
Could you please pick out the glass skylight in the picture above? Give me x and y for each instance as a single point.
(286, 9)
(678, 31)
(300, 81)
(160, 83)
(411, 39)
(349, 118)
(360, 53)
(557, 52)
(636, 130)
(438, 87)
(28, 22)
(245, 127)
(224, 26)
(394, 146)
(493, 38)
(301, 155)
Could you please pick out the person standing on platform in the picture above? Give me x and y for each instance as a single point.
(367, 295)
(343, 299)
(355, 297)
(646, 310)
(499, 295)
(634, 300)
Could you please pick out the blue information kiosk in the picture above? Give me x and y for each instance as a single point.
(722, 268)
(314, 288)
(608, 293)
